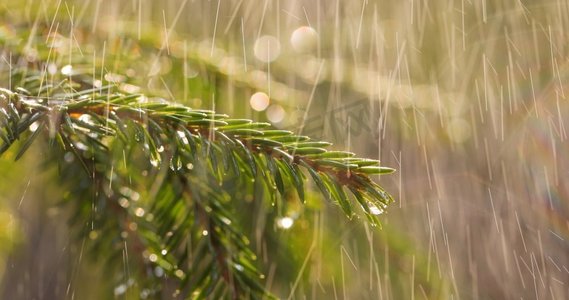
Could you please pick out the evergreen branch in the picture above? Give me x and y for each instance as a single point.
(103, 113)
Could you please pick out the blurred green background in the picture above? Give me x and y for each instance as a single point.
(466, 99)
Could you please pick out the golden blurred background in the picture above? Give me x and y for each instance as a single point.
(466, 99)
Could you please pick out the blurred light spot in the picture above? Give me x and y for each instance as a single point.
(285, 223)
(130, 73)
(239, 267)
(226, 220)
(124, 202)
(52, 69)
(113, 77)
(259, 101)
(153, 257)
(139, 212)
(132, 226)
(159, 272)
(230, 65)
(275, 113)
(119, 290)
(164, 252)
(304, 39)
(93, 235)
(314, 70)
(205, 233)
(129, 88)
(67, 70)
(149, 217)
(69, 157)
(196, 102)
(267, 48)
(179, 273)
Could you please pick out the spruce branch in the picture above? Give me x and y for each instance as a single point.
(240, 144)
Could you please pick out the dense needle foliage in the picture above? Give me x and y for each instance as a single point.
(162, 179)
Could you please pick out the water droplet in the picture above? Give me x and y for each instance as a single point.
(34, 126)
(164, 252)
(374, 210)
(154, 162)
(175, 164)
(67, 70)
(183, 137)
(86, 119)
(285, 222)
